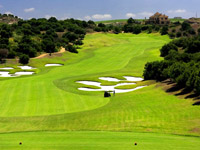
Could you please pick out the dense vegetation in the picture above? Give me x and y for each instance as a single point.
(28, 37)
(181, 63)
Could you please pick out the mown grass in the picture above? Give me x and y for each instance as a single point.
(50, 101)
(141, 83)
(60, 140)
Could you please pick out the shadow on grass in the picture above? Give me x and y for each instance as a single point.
(184, 91)
(196, 103)
(174, 88)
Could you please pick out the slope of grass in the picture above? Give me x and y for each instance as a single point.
(49, 101)
(96, 140)
(37, 95)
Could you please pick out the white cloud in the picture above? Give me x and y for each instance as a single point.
(101, 17)
(145, 14)
(87, 18)
(49, 16)
(177, 11)
(8, 12)
(27, 10)
(129, 15)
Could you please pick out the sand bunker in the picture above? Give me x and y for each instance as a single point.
(6, 74)
(50, 65)
(128, 78)
(26, 67)
(109, 79)
(111, 88)
(7, 68)
(24, 73)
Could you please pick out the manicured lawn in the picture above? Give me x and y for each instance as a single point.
(53, 91)
(49, 101)
(96, 140)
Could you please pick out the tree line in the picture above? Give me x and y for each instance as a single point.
(27, 38)
(181, 63)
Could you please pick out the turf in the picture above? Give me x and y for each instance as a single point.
(49, 101)
(96, 140)
(37, 95)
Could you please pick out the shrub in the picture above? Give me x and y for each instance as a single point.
(24, 59)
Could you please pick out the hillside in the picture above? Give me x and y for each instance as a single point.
(49, 110)
(9, 19)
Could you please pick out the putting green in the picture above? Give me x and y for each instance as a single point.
(96, 141)
(55, 91)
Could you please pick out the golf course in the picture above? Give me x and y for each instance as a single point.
(47, 111)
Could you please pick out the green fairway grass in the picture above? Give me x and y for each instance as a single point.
(47, 111)
(55, 92)
(96, 141)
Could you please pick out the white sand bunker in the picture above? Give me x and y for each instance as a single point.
(6, 74)
(26, 67)
(110, 88)
(7, 68)
(109, 79)
(50, 65)
(24, 73)
(128, 78)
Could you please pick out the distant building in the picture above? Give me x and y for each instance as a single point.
(158, 18)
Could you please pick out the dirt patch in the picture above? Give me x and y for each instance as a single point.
(195, 130)
(53, 54)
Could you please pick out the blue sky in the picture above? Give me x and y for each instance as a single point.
(99, 9)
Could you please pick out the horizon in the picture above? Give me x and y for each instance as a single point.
(98, 10)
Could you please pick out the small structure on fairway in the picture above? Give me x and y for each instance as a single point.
(107, 94)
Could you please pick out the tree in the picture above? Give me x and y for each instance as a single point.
(136, 29)
(72, 37)
(193, 47)
(164, 30)
(185, 26)
(156, 70)
(3, 54)
(101, 25)
(178, 34)
(130, 20)
(164, 51)
(71, 48)
(24, 59)
(48, 45)
(52, 20)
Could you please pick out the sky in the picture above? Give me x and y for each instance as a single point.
(99, 9)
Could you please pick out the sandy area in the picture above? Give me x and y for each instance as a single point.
(47, 54)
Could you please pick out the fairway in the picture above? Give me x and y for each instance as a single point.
(47, 111)
(55, 92)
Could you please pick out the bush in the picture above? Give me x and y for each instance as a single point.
(164, 51)
(71, 48)
(178, 34)
(24, 59)
(164, 30)
(136, 29)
